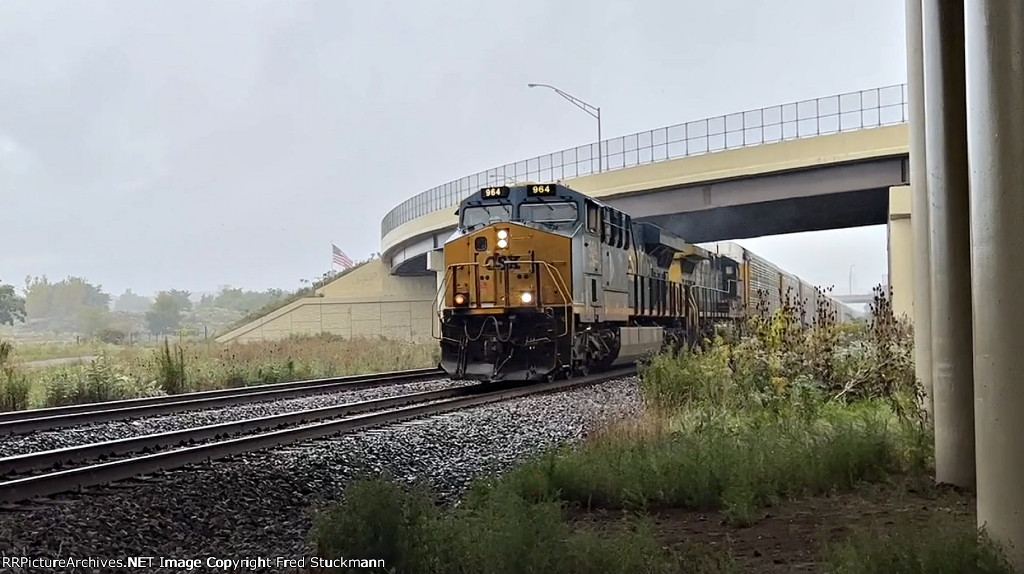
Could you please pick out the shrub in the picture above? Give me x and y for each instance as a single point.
(493, 531)
(933, 548)
(6, 351)
(98, 381)
(777, 407)
(770, 357)
(112, 336)
(735, 462)
(676, 380)
(14, 389)
(379, 520)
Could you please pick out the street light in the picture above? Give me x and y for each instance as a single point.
(594, 111)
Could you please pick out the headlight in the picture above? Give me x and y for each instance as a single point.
(502, 234)
(460, 299)
(526, 297)
(502, 243)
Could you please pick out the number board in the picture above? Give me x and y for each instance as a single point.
(534, 190)
(494, 192)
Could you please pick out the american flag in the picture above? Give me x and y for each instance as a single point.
(340, 259)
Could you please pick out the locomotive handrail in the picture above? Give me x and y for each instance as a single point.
(709, 288)
(435, 306)
(556, 277)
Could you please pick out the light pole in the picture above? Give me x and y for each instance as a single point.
(592, 110)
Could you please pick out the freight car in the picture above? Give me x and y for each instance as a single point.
(542, 281)
(764, 287)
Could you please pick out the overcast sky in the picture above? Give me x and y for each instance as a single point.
(189, 144)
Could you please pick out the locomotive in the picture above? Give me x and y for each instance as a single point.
(541, 281)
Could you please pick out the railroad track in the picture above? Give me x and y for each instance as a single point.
(42, 474)
(20, 422)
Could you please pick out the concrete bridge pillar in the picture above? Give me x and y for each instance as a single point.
(922, 302)
(995, 99)
(950, 245)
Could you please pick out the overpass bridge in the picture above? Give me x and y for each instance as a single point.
(827, 163)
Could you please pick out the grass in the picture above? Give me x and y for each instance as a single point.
(494, 531)
(131, 372)
(907, 548)
(66, 350)
(764, 413)
(737, 462)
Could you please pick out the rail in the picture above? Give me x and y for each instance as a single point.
(19, 422)
(48, 483)
(846, 112)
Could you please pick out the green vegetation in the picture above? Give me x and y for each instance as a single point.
(907, 548)
(14, 386)
(736, 462)
(130, 372)
(493, 531)
(72, 304)
(76, 309)
(12, 306)
(763, 414)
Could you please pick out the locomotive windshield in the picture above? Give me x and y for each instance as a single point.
(484, 214)
(554, 213)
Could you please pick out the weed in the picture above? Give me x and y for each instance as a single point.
(171, 370)
(905, 548)
(492, 531)
(127, 372)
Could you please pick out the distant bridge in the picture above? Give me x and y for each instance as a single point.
(863, 299)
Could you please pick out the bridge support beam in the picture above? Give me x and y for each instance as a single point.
(995, 41)
(901, 250)
(950, 248)
(921, 269)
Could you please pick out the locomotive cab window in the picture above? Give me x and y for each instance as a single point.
(552, 213)
(593, 217)
(476, 215)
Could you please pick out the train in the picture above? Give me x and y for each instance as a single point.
(541, 282)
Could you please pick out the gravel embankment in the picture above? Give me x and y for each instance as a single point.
(112, 430)
(261, 504)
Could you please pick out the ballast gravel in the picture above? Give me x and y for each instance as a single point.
(262, 504)
(113, 430)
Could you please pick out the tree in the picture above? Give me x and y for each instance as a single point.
(92, 320)
(182, 298)
(165, 315)
(244, 301)
(12, 306)
(38, 295)
(129, 302)
(62, 300)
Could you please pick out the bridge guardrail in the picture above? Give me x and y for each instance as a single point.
(851, 111)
